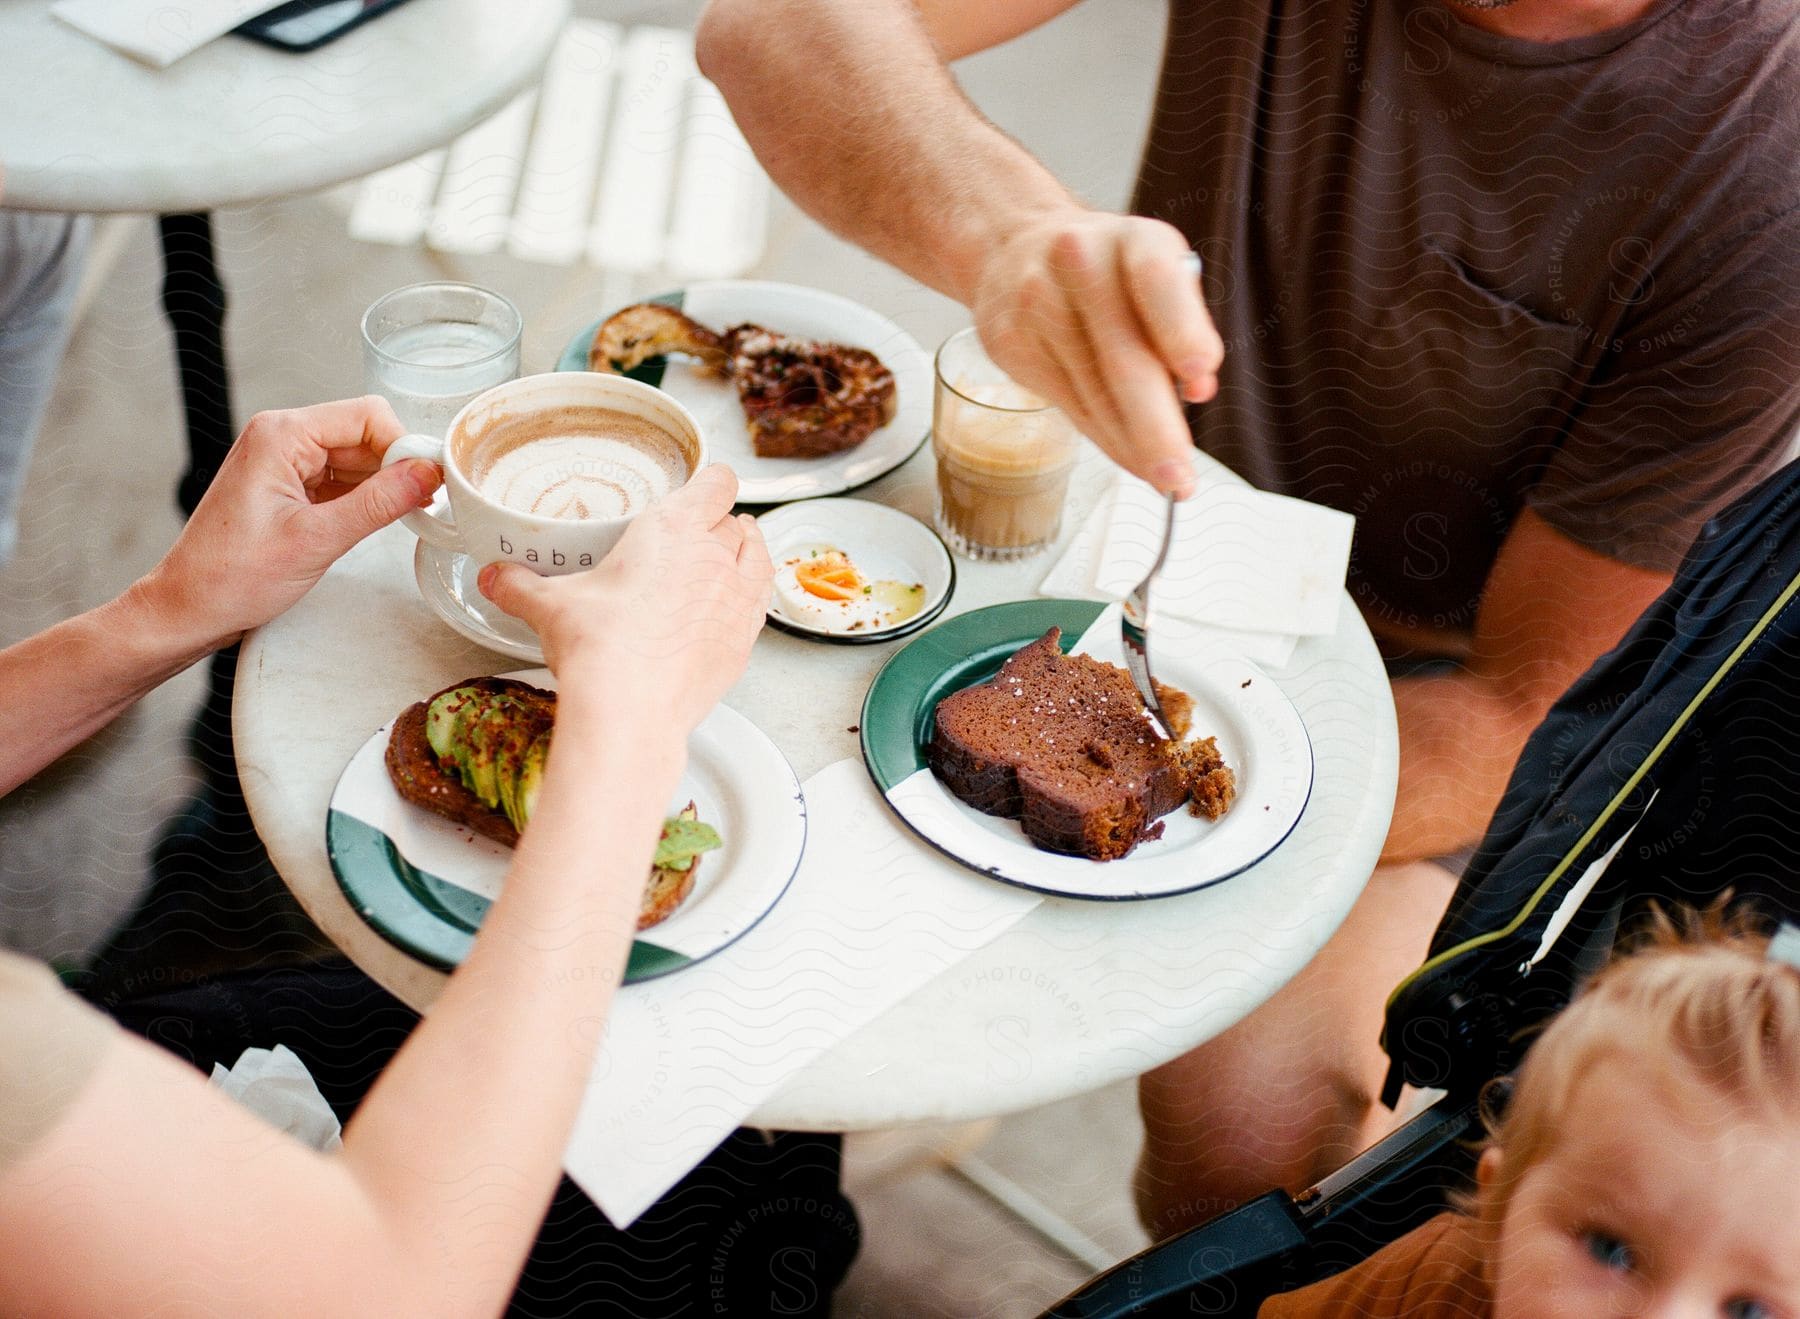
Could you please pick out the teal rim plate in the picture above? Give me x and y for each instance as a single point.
(808, 314)
(424, 884)
(1260, 733)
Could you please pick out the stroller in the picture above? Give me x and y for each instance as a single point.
(1664, 774)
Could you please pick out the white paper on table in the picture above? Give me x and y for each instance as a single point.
(161, 33)
(873, 914)
(1242, 558)
(1073, 577)
(1257, 570)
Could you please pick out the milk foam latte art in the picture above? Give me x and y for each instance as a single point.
(548, 470)
(579, 464)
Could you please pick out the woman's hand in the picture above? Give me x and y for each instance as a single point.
(297, 490)
(1097, 313)
(665, 622)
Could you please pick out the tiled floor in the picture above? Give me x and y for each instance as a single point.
(100, 511)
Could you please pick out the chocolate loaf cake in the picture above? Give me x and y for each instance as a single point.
(1060, 743)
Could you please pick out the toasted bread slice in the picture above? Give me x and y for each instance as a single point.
(632, 336)
(422, 779)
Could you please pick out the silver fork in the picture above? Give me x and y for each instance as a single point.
(1134, 616)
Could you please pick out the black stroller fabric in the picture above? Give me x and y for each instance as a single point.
(1677, 753)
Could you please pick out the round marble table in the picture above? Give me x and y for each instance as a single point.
(89, 129)
(1076, 995)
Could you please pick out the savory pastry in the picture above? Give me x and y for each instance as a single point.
(802, 398)
(475, 752)
(631, 337)
(805, 399)
(1060, 743)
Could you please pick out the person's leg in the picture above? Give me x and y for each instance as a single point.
(1292, 1091)
(40, 268)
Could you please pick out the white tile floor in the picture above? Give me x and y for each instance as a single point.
(100, 510)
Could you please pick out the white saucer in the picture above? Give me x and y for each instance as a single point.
(884, 544)
(447, 581)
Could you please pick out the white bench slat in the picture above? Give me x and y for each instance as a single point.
(631, 217)
(394, 205)
(556, 195)
(476, 198)
(721, 194)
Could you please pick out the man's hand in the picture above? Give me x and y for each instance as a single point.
(1097, 313)
(297, 490)
(666, 621)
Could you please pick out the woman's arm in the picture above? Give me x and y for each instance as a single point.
(154, 1193)
(297, 490)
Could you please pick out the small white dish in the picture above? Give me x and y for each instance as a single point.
(447, 581)
(884, 544)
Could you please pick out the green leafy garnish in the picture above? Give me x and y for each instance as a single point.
(683, 839)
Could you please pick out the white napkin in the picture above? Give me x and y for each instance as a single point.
(160, 33)
(871, 916)
(275, 1085)
(1264, 569)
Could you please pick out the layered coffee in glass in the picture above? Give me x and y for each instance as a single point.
(1003, 457)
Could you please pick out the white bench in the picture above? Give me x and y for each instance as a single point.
(625, 158)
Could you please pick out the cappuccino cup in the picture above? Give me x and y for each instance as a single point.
(548, 471)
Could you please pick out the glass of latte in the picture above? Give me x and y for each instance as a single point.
(1003, 457)
(549, 470)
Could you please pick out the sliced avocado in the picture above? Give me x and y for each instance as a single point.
(442, 717)
(485, 747)
(530, 779)
(684, 837)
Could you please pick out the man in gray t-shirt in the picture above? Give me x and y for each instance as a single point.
(1516, 282)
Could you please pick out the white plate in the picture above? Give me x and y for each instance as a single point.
(447, 581)
(884, 544)
(1260, 734)
(423, 883)
(805, 313)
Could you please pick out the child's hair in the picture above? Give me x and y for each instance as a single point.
(1697, 994)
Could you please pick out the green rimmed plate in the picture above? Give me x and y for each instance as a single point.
(424, 884)
(805, 313)
(1260, 733)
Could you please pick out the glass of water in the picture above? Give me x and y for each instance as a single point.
(430, 348)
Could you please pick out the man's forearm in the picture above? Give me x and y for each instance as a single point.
(65, 684)
(860, 123)
(1460, 735)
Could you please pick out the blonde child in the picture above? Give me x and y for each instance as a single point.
(1648, 1162)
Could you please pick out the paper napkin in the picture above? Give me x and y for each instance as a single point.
(161, 33)
(275, 1085)
(872, 915)
(1266, 569)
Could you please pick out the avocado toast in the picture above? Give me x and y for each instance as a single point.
(475, 753)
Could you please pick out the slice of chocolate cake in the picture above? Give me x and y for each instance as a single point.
(1060, 743)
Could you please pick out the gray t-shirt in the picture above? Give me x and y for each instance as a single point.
(1458, 273)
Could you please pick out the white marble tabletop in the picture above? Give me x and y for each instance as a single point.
(85, 128)
(1077, 995)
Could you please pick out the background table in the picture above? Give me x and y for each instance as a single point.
(1077, 995)
(86, 128)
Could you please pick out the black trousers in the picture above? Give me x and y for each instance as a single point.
(759, 1228)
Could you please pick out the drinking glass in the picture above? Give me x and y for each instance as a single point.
(1003, 457)
(430, 348)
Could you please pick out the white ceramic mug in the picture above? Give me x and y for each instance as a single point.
(488, 531)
